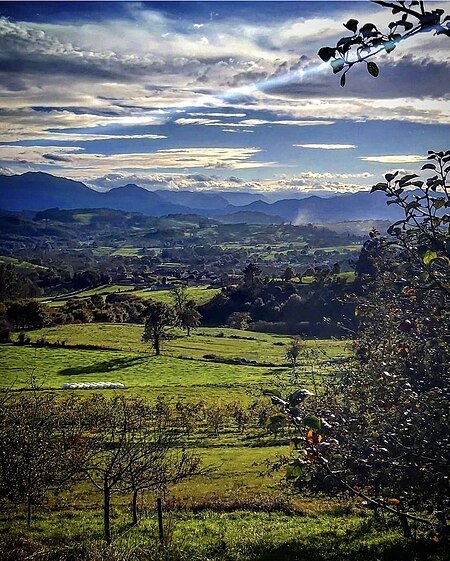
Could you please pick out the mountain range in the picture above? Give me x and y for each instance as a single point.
(36, 191)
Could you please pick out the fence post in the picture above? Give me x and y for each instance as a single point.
(160, 520)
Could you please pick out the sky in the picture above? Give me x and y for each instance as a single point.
(213, 95)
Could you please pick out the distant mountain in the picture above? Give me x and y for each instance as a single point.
(40, 191)
(194, 199)
(239, 198)
(352, 206)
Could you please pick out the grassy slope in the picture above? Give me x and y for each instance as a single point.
(200, 294)
(322, 533)
(121, 356)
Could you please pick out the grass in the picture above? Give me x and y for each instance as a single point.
(117, 354)
(57, 366)
(200, 294)
(19, 263)
(233, 513)
(241, 535)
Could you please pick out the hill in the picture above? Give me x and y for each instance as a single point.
(40, 191)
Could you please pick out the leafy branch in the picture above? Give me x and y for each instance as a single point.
(367, 40)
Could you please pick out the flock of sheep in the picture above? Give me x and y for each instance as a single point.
(93, 386)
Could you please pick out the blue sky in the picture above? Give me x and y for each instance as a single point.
(213, 95)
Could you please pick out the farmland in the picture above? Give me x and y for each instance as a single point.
(237, 500)
(116, 353)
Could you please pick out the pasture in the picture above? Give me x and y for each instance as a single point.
(197, 366)
(200, 294)
(237, 511)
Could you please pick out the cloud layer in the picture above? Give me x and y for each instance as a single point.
(142, 89)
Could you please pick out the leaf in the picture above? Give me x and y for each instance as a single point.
(438, 203)
(373, 69)
(326, 53)
(352, 25)
(294, 471)
(406, 178)
(368, 29)
(429, 256)
(379, 187)
(313, 437)
(342, 82)
(429, 166)
(313, 422)
(394, 501)
(389, 46)
(411, 205)
(299, 396)
(337, 65)
(391, 176)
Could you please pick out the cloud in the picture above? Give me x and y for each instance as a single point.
(56, 158)
(172, 158)
(399, 159)
(326, 146)
(307, 182)
(251, 122)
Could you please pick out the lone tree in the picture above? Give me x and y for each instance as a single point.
(239, 320)
(293, 352)
(188, 315)
(252, 274)
(159, 318)
(368, 41)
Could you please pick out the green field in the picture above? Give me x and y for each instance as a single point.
(117, 353)
(237, 511)
(200, 294)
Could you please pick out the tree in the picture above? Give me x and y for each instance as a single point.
(367, 41)
(252, 275)
(239, 320)
(133, 446)
(27, 314)
(288, 274)
(32, 448)
(13, 286)
(380, 429)
(159, 318)
(293, 352)
(292, 309)
(188, 315)
(189, 319)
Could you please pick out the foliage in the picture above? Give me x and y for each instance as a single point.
(239, 320)
(159, 318)
(31, 448)
(188, 315)
(293, 352)
(367, 41)
(381, 429)
(27, 314)
(424, 232)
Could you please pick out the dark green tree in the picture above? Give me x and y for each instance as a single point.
(159, 319)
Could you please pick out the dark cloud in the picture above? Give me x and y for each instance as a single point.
(56, 158)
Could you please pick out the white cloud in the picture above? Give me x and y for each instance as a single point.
(74, 159)
(326, 146)
(399, 159)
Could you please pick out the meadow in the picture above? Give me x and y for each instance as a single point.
(238, 510)
(200, 294)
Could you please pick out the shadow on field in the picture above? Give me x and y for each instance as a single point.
(355, 545)
(104, 366)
